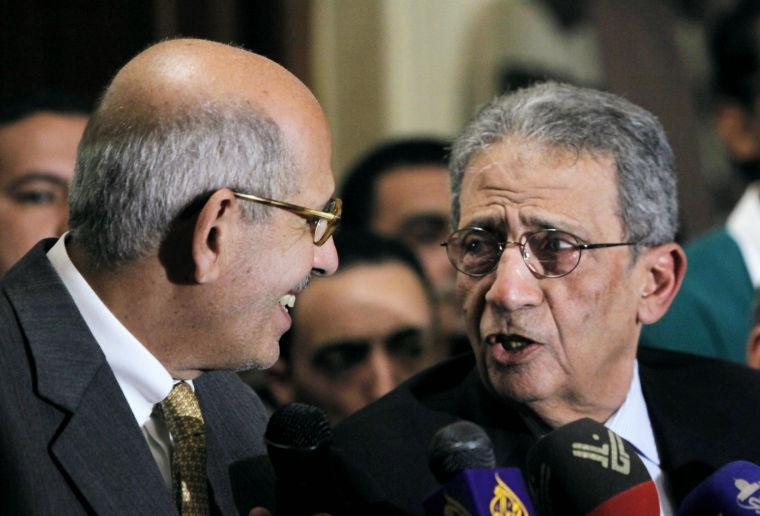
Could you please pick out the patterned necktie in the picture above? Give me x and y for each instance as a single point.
(185, 422)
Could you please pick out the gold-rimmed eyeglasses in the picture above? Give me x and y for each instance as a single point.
(323, 223)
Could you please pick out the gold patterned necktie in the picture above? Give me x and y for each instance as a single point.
(182, 413)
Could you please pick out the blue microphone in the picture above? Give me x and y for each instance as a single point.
(733, 490)
(462, 460)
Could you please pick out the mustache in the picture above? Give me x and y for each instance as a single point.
(303, 283)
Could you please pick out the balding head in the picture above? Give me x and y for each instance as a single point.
(184, 118)
(179, 74)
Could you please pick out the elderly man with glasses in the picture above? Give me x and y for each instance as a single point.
(119, 340)
(565, 206)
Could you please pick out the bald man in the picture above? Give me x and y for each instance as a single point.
(200, 207)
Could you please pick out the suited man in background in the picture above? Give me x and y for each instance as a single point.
(201, 205)
(564, 200)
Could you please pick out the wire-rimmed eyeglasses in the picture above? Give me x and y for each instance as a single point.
(323, 223)
(548, 253)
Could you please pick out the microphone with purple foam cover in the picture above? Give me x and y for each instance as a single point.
(462, 459)
(298, 439)
(733, 490)
(583, 468)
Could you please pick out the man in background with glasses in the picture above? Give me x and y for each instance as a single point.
(201, 205)
(564, 201)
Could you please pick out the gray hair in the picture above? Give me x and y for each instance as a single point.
(585, 120)
(136, 174)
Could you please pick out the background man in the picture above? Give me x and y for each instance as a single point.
(359, 333)
(400, 189)
(171, 270)
(38, 146)
(565, 205)
(712, 314)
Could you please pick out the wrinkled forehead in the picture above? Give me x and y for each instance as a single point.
(548, 186)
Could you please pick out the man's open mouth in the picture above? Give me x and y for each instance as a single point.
(288, 301)
(510, 342)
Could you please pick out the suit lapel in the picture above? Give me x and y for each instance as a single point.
(689, 449)
(99, 446)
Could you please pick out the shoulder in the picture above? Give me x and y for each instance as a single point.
(431, 394)
(704, 398)
(224, 394)
(381, 451)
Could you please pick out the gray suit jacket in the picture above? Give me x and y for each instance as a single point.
(69, 443)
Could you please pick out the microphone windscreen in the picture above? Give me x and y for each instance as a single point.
(580, 466)
(733, 490)
(457, 447)
(298, 439)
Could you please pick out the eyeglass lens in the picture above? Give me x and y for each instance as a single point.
(548, 253)
(323, 228)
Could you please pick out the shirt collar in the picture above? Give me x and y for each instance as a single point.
(631, 421)
(142, 378)
(743, 227)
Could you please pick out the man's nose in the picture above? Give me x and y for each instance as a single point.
(514, 285)
(325, 258)
(382, 377)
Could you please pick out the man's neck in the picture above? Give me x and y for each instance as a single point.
(138, 295)
(557, 412)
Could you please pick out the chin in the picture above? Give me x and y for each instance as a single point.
(514, 383)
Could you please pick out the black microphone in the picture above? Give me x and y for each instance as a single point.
(733, 490)
(298, 439)
(461, 458)
(584, 468)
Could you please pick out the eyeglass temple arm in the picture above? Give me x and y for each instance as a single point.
(600, 246)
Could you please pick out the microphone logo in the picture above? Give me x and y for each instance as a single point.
(505, 501)
(749, 494)
(611, 455)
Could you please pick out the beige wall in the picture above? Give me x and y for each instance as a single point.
(385, 68)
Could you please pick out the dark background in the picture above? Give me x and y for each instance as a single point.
(76, 46)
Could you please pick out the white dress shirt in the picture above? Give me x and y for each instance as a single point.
(631, 422)
(141, 377)
(744, 227)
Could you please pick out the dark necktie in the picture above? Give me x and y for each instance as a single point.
(185, 422)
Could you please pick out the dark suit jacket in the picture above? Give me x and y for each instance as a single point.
(69, 443)
(705, 413)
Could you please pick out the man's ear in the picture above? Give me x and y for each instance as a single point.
(753, 348)
(212, 235)
(664, 269)
(735, 127)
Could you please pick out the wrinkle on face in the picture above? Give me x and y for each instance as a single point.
(585, 321)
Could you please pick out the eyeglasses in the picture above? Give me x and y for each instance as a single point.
(549, 253)
(323, 223)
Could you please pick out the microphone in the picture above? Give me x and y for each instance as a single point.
(733, 490)
(461, 458)
(584, 468)
(298, 439)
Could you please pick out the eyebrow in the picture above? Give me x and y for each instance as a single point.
(37, 176)
(498, 225)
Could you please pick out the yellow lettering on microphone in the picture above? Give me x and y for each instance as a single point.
(505, 502)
